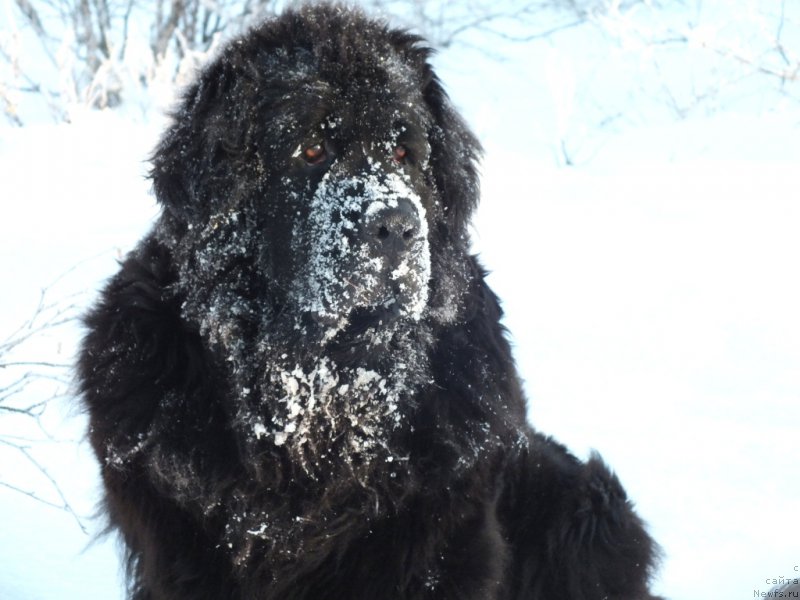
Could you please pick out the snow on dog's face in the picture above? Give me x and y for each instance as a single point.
(361, 250)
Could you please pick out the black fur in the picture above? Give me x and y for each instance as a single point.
(276, 420)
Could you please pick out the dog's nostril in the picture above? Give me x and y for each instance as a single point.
(383, 232)
(408, 234)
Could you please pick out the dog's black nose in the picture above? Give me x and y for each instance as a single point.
(392, 228)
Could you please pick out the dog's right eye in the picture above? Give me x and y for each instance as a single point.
(400, 154)
(315, 154)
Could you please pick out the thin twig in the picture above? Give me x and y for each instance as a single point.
(65, 504)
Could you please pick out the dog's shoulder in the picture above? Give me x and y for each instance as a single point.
(136, 345)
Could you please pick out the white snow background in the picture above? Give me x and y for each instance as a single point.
(652, 291)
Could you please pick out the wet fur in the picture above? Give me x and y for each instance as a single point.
(193, 345)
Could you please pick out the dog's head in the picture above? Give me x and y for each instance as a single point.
(318, 165)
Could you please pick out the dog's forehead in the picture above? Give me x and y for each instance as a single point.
(390, 89)
(370, 85)
(356, 111)
(378, 80)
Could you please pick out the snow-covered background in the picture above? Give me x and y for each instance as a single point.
(640, 218)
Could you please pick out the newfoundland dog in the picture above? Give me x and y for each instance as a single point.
(298, 384)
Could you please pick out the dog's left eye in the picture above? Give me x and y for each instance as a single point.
(400, 154)
(315, 154)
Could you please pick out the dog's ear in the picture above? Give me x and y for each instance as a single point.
(455, 154)
(182, 161)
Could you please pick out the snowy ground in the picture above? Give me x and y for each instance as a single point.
(651, 293)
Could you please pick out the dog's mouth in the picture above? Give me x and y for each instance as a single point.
(365, 319)
(382, 312)
(360, 294)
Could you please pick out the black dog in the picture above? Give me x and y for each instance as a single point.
(298, 384)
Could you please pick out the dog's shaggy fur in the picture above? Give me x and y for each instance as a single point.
(298, 384)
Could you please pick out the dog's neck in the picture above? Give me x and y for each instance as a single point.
(322, 439)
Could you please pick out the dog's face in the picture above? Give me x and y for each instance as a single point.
(360, 203)
(323, 183)
(333, 178)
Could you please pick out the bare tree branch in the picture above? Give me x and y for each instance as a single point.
(30, 13)
(167, 29)
(31, 383)
(64, 504)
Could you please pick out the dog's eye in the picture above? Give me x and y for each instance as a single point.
(315, 154)
(400, 153)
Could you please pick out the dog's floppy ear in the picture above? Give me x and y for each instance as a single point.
(455, 154)
(182, 158)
